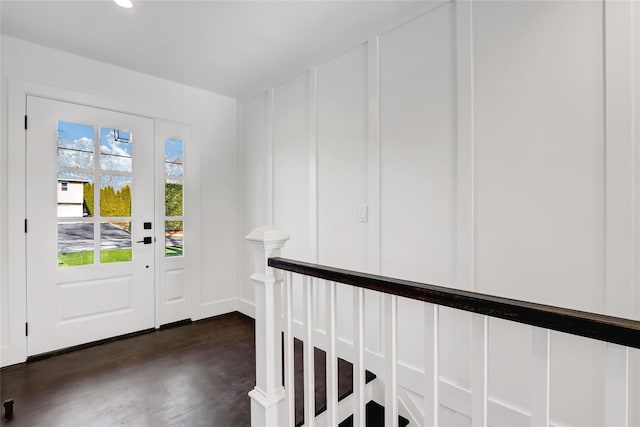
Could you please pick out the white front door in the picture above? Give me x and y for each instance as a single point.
(90, 208)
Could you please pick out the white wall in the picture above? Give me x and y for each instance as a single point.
(495, 154)
(255, 188)
(212, 178)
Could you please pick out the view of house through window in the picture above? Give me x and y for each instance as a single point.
(173, 197)
(88, 213)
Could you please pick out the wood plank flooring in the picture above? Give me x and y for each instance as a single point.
(192, 375)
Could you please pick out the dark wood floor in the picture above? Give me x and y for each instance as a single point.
(192, 375)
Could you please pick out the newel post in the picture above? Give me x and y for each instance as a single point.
(266, 242)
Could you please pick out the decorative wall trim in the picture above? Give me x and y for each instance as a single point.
(312, 135)
(271, 93)
(464, 277)
(374, 195)
(466, 174)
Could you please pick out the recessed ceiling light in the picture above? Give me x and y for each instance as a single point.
(124, 3)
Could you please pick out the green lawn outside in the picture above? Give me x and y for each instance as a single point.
(115, 255)
(86, 257)
(173, 251)
(75, 258)
(107, 256)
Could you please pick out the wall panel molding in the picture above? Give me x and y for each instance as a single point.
(312, 129)
(465, 193)
(373, 153)
(620, 165)
(549, 212)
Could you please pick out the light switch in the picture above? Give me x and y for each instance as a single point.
(363, 213)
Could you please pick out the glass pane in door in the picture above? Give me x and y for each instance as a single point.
(115, 241)
(173, 238)
(75, 145)
(173, 157)
(115, 150)
(115, 196)
(75, 244)
(173, 197)
(75, 194)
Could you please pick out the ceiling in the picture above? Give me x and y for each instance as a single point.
(234, 48)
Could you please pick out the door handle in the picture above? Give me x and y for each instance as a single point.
(147, 240)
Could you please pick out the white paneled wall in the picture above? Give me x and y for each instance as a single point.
(342, 113)
(492, 146)
(293, 147)
(418, 143)
(342, 159)
(417, 148)
(539, 185)
(539, 146)
(253, 151)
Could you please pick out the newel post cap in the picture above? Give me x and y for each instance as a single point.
(267, 236)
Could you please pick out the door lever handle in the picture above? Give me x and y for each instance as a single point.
(147, 240)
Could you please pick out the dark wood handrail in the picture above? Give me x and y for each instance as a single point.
(591, 325)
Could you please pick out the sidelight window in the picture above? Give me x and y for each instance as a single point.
(174, 197)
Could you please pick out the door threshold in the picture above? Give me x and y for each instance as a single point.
(175, 324)
(49, 354)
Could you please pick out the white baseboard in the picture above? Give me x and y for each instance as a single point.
(12, 355)
(245, 307)
(215, 308)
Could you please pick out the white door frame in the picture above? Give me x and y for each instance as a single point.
(16, 349)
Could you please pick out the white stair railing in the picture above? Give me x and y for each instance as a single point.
(268, 395)
(274, 405)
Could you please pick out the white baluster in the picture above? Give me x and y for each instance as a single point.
(540, 371)
(332, 357)
(268, 393)
(634, 364)
(309, 368)
(278, 302)
(479, 370)
(431, 364)
(358, 363)
(616, 386)
(391, 360)
(289, 351)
